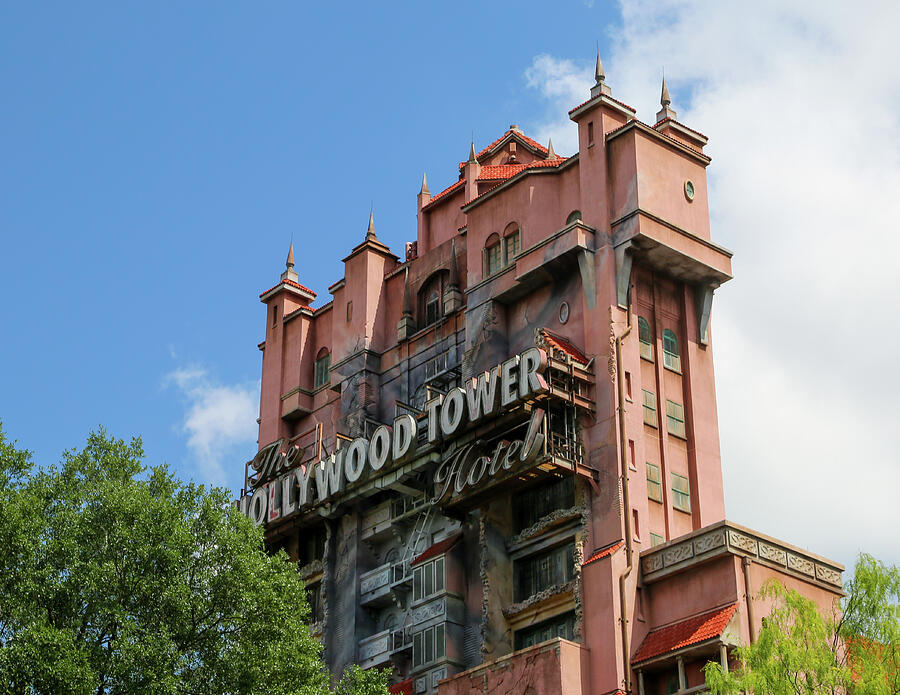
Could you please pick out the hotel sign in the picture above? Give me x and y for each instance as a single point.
(282, 487)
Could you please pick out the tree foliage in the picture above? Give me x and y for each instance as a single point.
(802, 651)
(116, 578)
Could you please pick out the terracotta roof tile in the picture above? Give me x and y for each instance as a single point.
(438, 548)
(562, 344)
(539, 164)
(694, 630)
(620, 103)
(533, 143)
(402, 688)
(292, 284)
(672, 120)
(606, 552)
(443, 194)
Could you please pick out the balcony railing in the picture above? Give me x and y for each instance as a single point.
(376, 585)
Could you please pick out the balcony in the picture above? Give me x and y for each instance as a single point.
(381, 521)
(384, 585)
(378, 649)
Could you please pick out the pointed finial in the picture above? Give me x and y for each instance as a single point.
(666, 112)
(454, 270)
(472, 157)
(550, 153)
(599, 74)
(407, 301)
(370, 232)
(600, 87)
(664, 99)
(289, 263)
(424, 188)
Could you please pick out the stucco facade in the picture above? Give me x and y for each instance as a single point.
(495, 457)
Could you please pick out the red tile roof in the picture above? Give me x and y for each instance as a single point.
(447, 191)
(606, 552)
(529, 141)
(620, 103)
(560, 343)
(438, 548)
(672, 120)
(699, 628)
(402, 688)
(292, 284)
(495, 172)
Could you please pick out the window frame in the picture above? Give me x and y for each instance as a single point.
(671, 352)
(433, 637)
(493, 258)
(681, 499)
(508, 242)
(543, 570)
(432, 572)
(654, 482)
(675, 419)
(649, 406)
(322, 375)
(646, 345)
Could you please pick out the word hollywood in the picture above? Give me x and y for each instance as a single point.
(282, 487)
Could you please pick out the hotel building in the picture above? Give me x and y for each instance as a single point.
(494, 457)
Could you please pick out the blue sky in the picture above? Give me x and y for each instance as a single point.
(157, 159)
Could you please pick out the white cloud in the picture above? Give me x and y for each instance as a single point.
(220, 421)
(801, 102)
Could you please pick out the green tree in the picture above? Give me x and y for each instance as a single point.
(801, 651)
(116, 578)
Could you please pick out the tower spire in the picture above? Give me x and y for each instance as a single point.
(289, 272)
(550, 153)
(370, 232)
(289, 263)
(665, 100)
(472, 157)
(424, 188)
(600, 86)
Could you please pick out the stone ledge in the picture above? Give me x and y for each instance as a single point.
(725, 538)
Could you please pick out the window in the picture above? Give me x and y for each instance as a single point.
(544, 570)
(493, 258)
(432, 308)
(323, 368)
(537, 502)
(430, 298)
(311, 545)
(591, 133)
(628, 385)
(560, 626)
(681, 493)
(574, 216)
(428, 645)
(656, 539)
(675, 419)
(513, 245)
(274, 316)
(349, 311)
(314, 599)
(654, 484)
(428, 579)
(650, 408)
(671, 360)
(645, 338)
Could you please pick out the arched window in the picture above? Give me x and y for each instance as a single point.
(430, 298)
(323, 368)
(574, 216)
(671, 358)
(512, 243)
(645, 338)
(493, 255)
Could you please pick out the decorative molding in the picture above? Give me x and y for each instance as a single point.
(708, 542)
(375, 645)
(726, 537)
(771, 553)
(678, 553)
(377, 578)
(826, 574)
(801, 564)
(742, 542)
(428, 611)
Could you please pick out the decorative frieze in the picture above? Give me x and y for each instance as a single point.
(771, 553)
(377, 578)
(428, 611)
(826, 574)
(709, 541)
(742, 542)
(725, 537)
(374, 646)
(801, 564)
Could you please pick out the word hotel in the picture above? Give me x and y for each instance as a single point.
(495, 459)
